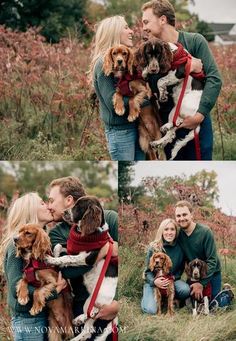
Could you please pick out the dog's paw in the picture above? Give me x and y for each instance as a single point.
(23, 300)
(57, 250)
(51, 260)
(155, 144)
(81, 319)
(166, 127)
(119, 108)
(36, 309)
(133, 114)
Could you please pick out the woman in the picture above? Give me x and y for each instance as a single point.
(29, 208)
(165, 241)
(122, 135)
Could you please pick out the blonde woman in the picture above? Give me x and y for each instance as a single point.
(29, 208)
(122, 135)
(165, 241)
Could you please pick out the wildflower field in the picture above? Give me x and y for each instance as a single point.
(45, 106)
(136, 326)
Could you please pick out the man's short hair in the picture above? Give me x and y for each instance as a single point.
(184, 203)
(69, 185)
(161, 7)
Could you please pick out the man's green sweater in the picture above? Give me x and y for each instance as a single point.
(198, 47)
(201, 244)
(13, 268)
(59, 234)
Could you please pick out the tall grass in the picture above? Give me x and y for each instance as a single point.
(45, 107)
(136, 326)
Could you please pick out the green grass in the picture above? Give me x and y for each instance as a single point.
(136, 326)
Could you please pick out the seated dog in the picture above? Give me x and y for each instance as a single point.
(197, 270)
(88, 234)
(160, 265)
(159, 57)
(120, 61)
(33, 244)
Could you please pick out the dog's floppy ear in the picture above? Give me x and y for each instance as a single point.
(108, 62)
(167, 265)
(130, 61)
(140, 57)
(166, 58)
(152, 262)
(203, 271)
(188, 270)
(41, 245)
(92, 219)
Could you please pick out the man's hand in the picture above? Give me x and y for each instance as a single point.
(196, 290)
(161, 282)
(103, 252)
(108, 311)
(61, 283)
(191, 122)
(196, 65)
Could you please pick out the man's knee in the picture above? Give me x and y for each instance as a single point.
(182, 290)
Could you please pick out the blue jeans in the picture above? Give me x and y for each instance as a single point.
(123, 145)
(215, 284)
(29, 328)
(148, 303)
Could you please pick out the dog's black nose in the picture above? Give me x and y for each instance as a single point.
(15, 239)
(119, 61)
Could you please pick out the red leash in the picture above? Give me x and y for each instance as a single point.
(177, 110)
(97, 288)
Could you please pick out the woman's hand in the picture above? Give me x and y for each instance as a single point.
(108, 311)
(61, 283)
(161, 282)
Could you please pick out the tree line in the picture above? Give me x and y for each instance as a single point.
(58, 18)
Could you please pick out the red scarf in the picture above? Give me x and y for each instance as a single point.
(170, 278)
(180, 56)
(123, 83)
(77, 243)
(31, 267)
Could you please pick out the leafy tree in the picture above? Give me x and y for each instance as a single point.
(125, 176)
(203, 28)
(35, 176)
(54, 17)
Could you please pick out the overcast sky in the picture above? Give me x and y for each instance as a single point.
(225, 170)
(217, 11)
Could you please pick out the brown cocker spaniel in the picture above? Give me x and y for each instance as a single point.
(160, 265)
(33, 244)
(121, 62)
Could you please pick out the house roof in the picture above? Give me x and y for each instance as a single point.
(219, 28)
(227, 37)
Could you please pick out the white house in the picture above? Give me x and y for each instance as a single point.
(225, 34)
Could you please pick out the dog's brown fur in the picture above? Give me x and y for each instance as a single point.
(160, 264)
(149, 128)
(33, 242)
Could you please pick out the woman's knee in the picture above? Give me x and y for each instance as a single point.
(149, 307)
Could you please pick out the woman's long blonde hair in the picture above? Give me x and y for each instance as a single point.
(107, 34)
(157, 244)
(23, 211)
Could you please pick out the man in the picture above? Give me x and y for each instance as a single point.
(63, 194)
(197, 241)
(159, 21)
